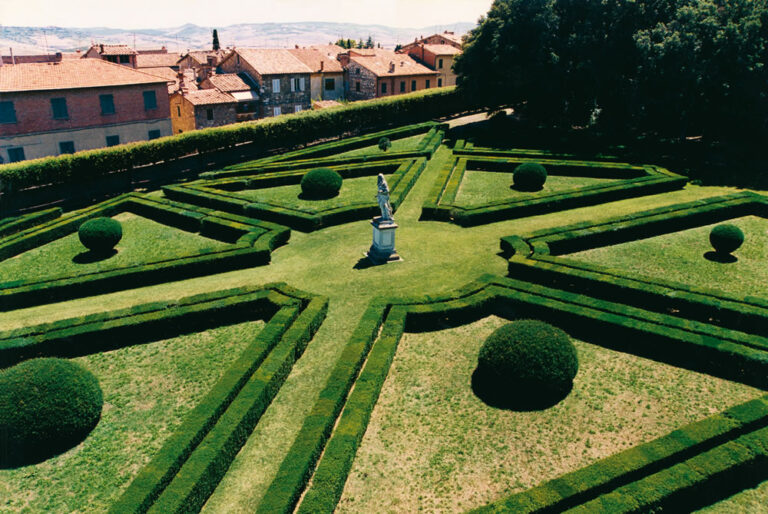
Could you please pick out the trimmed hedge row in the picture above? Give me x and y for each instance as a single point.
(279, 132)
(684, 343)
(222, 194)
(252, 242)
(9, 226)
(637, 181)
(536, 258)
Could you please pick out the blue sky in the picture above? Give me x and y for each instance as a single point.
(137, 14)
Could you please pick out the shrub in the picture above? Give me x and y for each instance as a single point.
(527, 360)
(384, 144)
(46, 406)
(529, 176)
(100, 235)
(321, 183)
(498, 122)
(726, 238)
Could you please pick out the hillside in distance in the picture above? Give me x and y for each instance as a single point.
(40, 40)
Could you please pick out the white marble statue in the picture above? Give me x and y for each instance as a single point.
(383, 198)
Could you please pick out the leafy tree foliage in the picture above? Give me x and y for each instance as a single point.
(216, 45)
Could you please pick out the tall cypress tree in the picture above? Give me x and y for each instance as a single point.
(216, 45)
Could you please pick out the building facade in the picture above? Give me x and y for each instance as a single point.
(204, 108)
(438, 58)
(327, 77)
(58, 108)
(375, 73)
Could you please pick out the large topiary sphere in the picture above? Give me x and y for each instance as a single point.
(321, 183)
(726, 238)
(100, 235)
(528, 358)
(529, 176)
(46, 406)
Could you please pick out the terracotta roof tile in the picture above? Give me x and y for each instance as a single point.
(71, 74)
(379, 64)
(442, 49)
(312, 59)
(272, 61)
(156, 60)
(209, 97)
(114, 49)
(329, 50)
(201, 56)
(228, 82)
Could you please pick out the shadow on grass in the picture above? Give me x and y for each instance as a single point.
(524, 189)
(365, 263)
(303, 196)
(521, 396)
(91, 256)
(723, 258)
(14, 455)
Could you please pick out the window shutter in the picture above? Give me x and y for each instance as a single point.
(275, 85)
(293, 85)
(301, 84)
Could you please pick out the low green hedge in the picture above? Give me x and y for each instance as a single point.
(278, 132)
(10, 226)
(252, 242)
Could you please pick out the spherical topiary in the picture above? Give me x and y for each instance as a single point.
(384, 144)
(321, 183)
(529, 176)
(100, 235)
(46, 406)
(528, 358)
(726, 238)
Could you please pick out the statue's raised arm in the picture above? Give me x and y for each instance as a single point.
(382, 196)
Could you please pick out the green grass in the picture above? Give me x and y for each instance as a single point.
(438, 257)
(432, 445)
(679, 257)
(482, 187)
(359, 189)
(143, 241)
(398, 145)
(746, 502)
(147, 391)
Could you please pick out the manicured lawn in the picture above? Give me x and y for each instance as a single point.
(482, 187)
(747, 501)
(143, 241)
(679, 257)
(353, 190)
(398, 145)
(147, 391)
(432, 445)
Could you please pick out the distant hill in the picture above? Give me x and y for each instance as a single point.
(38, 40)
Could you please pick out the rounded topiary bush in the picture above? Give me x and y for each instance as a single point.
(528, 363)
(47, 405)
(529, 176)
(321, 183)
(726, 238)
(100, 235)
(384, 144)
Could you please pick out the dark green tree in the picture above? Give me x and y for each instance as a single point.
(369, 43)
(398, 47)
(216, 45)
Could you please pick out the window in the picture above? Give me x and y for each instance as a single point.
(16, 154)
(439, 82)
(66, 147)
(357, 86)
(276, 111)
(153, 134)
(357, 71)
(150, 100)
(413, 85)
(427, 84)
(439, 63)
(7, 112)
(297, 108)
(125, 59)
(178, 111)
(330, 84)
(402, 86)
(209, 114)
(301, 84)
(383, 88)
(59, 107)
(107, 104)
(275, 85)
(113, 140)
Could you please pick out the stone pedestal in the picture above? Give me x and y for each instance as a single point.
(383, 248)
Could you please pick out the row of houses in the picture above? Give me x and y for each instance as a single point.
(112, 94)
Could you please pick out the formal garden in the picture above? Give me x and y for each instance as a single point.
(563, 332)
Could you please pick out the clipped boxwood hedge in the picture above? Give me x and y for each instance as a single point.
(321, 183)
(100, 235)
(726, 238)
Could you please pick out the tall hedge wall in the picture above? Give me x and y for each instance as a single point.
(280, 132)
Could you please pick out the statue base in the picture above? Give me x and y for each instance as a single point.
(383, 248)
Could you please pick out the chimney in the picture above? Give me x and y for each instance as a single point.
(102, 48)
(402, 63)
(391, 67)
(296, 47)
(321, 65)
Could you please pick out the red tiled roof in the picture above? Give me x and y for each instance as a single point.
(228, 82)
(329, 50)
(380, 64)
(442, 49)
(272, 61)
(156, 60)
(209, 97)
(71, 74)
(201, 56)
(114, 49)
(312, 59)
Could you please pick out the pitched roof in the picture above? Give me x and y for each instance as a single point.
(71, 74)
(114, 49)
(442, 49)
(228, 82)
(313, 58)
(209, 97)
(201, 56)
(380, 64)
(156, 60)
(329, 50)
(272, 61)
(451, 36)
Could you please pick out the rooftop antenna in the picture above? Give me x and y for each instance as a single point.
(134, 41)
(45, 40)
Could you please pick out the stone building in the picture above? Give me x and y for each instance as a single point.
(437, 52)
(243, 92)
(327, 78)
(118, 54)
(204, 108)
(282, 79)
(375, 72)
(77, 104)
